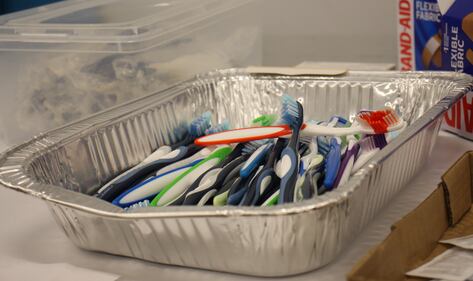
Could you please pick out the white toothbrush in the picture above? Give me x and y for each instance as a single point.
(206, 151)
(158, 154)
(150, 187)
(179, 185)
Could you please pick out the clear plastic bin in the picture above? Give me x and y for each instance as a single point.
(65, 61)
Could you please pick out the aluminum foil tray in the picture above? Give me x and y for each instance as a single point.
(63, 166)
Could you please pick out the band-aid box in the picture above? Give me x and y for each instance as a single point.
(438, 35)
(457, 55)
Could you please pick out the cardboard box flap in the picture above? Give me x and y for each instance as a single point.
(457, 184)
(414, 239)
(409, 243)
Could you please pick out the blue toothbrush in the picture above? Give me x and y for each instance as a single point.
(332, 164)
(267, 177)
(247, 173)
(239, 188)
(311, 177)
(129, 180)
(255, 160)
(150, 187)
(197, 128)
(293, 114)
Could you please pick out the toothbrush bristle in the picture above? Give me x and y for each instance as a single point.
(380, 140)
(367, 144)
(181, 131)
(291, 112)
(224, 126)
(265, 120)
(142, 204)
(323, 147)
(200, 124)
(252, 146)
(379, 120)
(373, 141)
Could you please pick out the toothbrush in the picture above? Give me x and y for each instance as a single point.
(203, 184)
(212, 181)
(242, 148)
(323, 146)
(131, 178)
(303, 148)
(160, 152)
(255, 160)
(369, 122)
(150, 187)
(179, 185)
(267, 177)
(233, 179)
(265, 120)
(196, 129)
(369, 146)
(311, 176)
(220, 198)
(202, 153)
(348, 160)
(239, 189)
(392, 135)
(272, 200)
(224, 126)
(306, 162)
(332, 164)
(206, 198)
(293, 114)
(199, 155)
(137, 206)
(247, 173)
(250, 190)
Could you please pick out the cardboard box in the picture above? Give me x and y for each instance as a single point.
(438, 35)
(457, 55)
(413, 240)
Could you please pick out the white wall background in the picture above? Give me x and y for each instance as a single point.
(328, 30)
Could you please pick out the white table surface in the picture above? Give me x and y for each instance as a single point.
(34, 248)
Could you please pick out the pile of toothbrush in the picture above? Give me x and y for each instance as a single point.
(279, 159)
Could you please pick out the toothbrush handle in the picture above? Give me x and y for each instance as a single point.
(290, 168)
(346, 164)
(270, 189)
(183, 181)
(312, 130)
(332, 164)
(135, 175)
(192, 199)
(254, 161)
(180, 200)
(363, 159)
(275, 152)
(185, 142)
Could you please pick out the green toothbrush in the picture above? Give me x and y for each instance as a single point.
(265, 120)
(180, 184)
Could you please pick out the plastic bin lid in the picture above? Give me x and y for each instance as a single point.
(107, 25)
